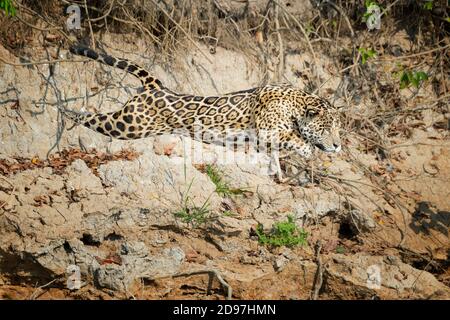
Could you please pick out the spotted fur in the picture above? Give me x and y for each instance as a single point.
(297, 120)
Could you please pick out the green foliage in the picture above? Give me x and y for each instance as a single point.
(309, 28)
(412, 78)
(191, 214)
(428, 5)
(366, 54)
(340, 249)
(8, 7)
(334, 23)
(367, 4)
(228, 213)
(222, 187)
(285, 233)
(194, 216)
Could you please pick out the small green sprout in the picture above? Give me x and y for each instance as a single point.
(285, 233)
(228, 213)
(372, 16)
(222, 187)
(340, 249)
(194, 216)
(8, 7)
(367, 54)
(412, 78)
(428, 5)
(190, 213)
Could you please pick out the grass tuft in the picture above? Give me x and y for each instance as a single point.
(285, 233)
(190, 213)
(222, 187)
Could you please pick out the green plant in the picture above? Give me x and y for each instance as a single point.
(334, 23)
(8, 7)
(228, 213)
(368, 3)
(368, 13)
(309, 29)
(285, 233)
(192, 214)
(222, 187)
(340, 249)
(366, 54)
(428, 5)
(412, 78)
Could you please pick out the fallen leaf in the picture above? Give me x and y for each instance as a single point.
(168, 149)
(327, 164)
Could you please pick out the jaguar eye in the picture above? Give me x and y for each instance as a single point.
(311, 113)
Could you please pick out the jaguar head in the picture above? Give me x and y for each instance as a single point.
(320, 125)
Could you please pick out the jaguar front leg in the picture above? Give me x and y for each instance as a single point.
(275, 127)
(286, 140)
(290, 141)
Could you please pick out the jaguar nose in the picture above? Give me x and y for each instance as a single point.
(337, 147)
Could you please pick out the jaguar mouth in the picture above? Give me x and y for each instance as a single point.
(325, 149)
(321, 147)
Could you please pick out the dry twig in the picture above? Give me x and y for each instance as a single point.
(318, 279)
(211, 273)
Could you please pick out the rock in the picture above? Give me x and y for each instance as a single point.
(161, 178)
(138, 263)
(280, 262)
(228, 226)
(360, 221)
(133, 261)
(113, 277)
(168, 145)
(81, 182)
(388, 278)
